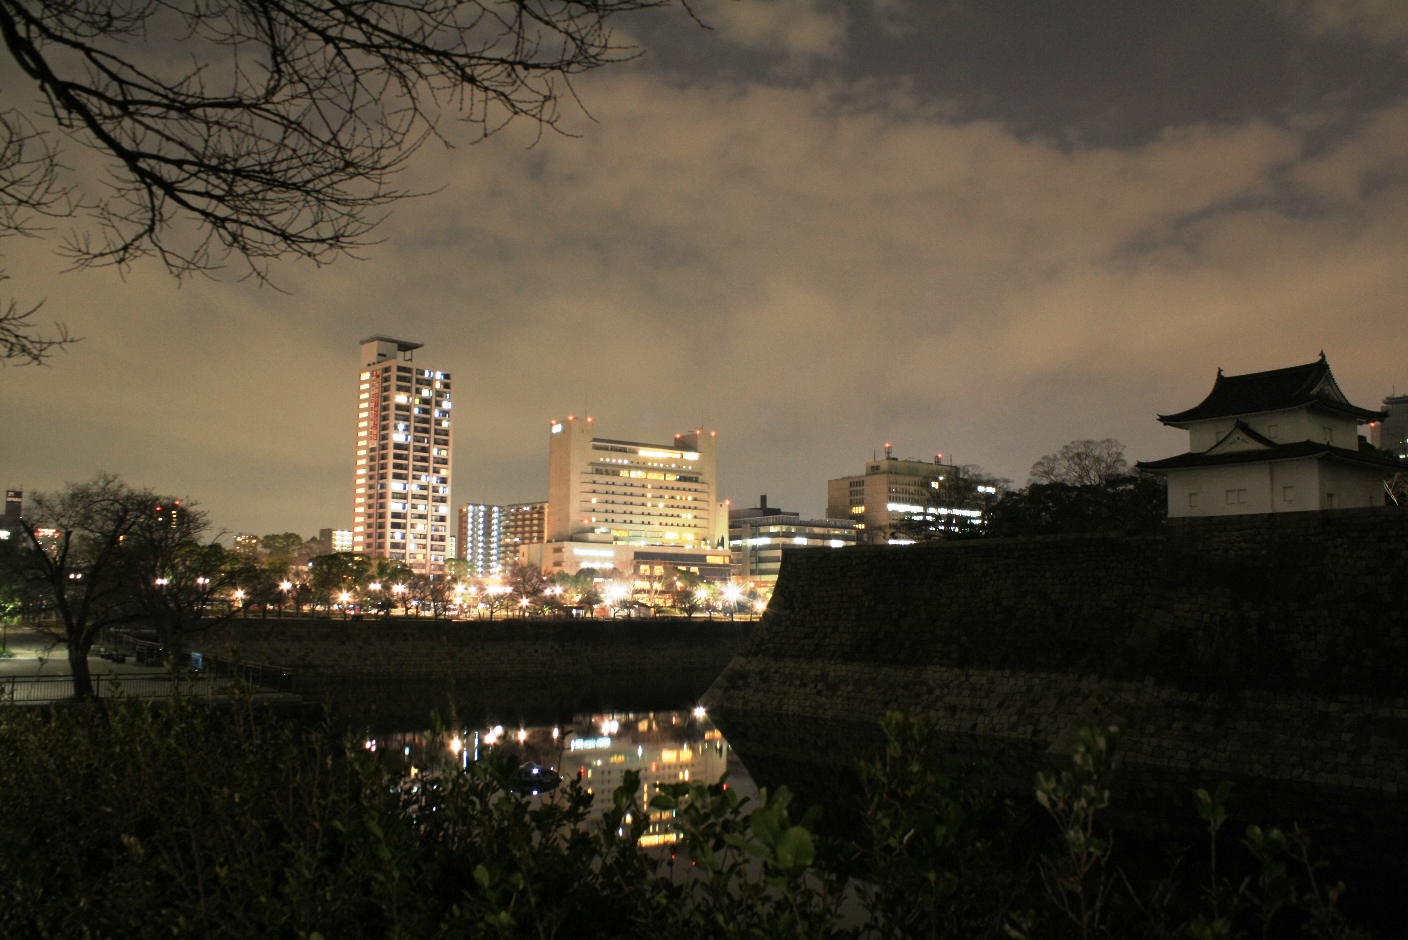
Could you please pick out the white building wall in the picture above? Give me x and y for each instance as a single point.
(1346, 487)
(1274, 486)
(1283, 427)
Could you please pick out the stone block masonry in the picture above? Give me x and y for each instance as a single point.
(1269, 650)
(397, 669)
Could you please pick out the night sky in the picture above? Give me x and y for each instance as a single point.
(980, 227)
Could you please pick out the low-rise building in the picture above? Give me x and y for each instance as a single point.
(1285, 440)
(759, 535)
(334, 540)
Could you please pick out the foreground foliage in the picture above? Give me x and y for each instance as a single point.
(129, 821)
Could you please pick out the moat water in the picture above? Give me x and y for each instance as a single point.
(597, 750)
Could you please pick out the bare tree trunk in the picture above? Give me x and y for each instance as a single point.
(78, 664)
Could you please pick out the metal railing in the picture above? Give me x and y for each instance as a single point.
(37, 689)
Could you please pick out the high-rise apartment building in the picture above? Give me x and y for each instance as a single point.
(490, 535)
(401, 499)
(480, 536)
(524, 524)
(619, 504)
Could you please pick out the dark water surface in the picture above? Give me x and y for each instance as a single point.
(598, 749)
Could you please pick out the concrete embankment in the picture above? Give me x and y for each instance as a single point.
(1267, 650)
(396, 670)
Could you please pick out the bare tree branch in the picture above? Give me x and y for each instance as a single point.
(256, 130)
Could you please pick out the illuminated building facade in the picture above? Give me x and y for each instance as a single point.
(401, 499)
(335, 540)
(524, 524)
(623, 504)
(892, 491)
(14, 508)
(489, 536)
(480, 535)
(758, 536)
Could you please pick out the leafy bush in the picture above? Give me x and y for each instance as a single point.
(187, 820)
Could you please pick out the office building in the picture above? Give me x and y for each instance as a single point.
(892, 493)
(401, 500)
(1285, 440)
(758, 536)
(630, 505)
(14, 509)
(1391, 433)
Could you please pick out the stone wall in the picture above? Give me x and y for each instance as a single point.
(1268, 650)
(397, 670)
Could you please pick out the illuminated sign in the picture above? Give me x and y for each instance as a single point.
(588, 744)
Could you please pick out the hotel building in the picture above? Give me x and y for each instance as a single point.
(627, 504)
(401, 499)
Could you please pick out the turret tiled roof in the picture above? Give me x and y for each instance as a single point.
(1296, 451)
(1275, 390)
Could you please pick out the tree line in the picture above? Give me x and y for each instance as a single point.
(103, 555)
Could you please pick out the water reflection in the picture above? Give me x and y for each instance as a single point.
(596, 750)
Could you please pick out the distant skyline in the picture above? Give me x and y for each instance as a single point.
(981, 227)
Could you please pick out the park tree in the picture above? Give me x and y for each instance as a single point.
(280, 552)
(528, 584)
(239, 132)
(174, 571)
(1085, 487)
(338, 574)
(1082, 463)
(72, 561)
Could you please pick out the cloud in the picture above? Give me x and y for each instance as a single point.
(1382, 21)
(793, 30)
(809, 270)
